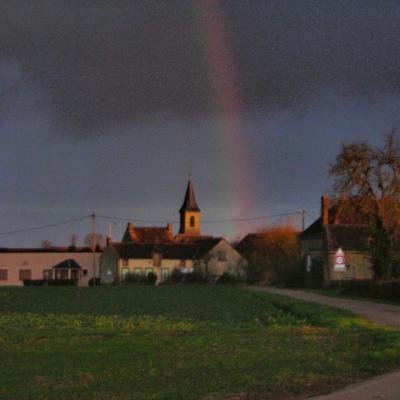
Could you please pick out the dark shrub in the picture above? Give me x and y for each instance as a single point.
(132, 278)
(381, 290)
(151, 278)
(33, 282)
(227, 279)
(94, 281)
(195, 277)
(176, 276)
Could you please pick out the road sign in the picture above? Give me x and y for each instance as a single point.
(340, 260)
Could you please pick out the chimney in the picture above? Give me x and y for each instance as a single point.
(325, 210)
(108, 240)
(169, 227)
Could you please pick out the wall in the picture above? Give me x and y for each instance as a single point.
(144, 263)
(37, 262)
(358, 266)
(234, 262)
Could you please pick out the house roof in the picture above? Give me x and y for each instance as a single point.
(189, 202)
(70, 263)
(194, 250)
(315, 229)
(349, 238)
(147, 234)
(63, 249)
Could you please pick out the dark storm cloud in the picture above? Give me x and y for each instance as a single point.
(98, 65)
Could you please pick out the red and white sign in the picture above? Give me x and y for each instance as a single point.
(340, 261)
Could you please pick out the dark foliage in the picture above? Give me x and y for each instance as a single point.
(228, 279)
(94, 281)
(132, 278)
(50, 282)
(380, 290)
(151, 278)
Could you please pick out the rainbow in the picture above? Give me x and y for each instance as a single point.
(224, 77)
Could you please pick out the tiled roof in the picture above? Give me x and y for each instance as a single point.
(195, 250)
(147, 234)
(189, 203)
(70, 264)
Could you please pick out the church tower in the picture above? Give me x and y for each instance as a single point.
(190, 213)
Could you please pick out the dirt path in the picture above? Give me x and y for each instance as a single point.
(385, 387)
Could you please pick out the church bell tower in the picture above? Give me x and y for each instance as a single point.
(190, 213)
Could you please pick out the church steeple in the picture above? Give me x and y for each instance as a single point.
(190, 213)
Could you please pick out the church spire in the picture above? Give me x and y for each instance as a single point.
(189, 203)
(190, 213)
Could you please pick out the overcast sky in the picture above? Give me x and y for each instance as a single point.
(103, 105)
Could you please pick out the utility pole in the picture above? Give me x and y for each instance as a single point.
(303, 214)
(94, 247)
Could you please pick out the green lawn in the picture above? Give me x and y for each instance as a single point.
(180, 342)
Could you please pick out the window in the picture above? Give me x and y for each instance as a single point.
(3, 274)
(149, 270)
(192, 221)
(221, 256)
(124, 273)
(164, 274)
(308, 262)
(25, 274)
(182, 263)
(157, 259)
(84, 272)
(61, 274)
(138, 271)
(47, 274)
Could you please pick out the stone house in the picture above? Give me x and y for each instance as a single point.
(320, 242)
(156, 249)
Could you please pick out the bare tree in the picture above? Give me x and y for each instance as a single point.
(73, 239)
(96, 240)
(367, 182)
(45, 244)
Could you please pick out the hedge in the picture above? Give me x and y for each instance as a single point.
(381, 290)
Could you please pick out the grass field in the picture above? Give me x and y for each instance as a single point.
(180, 342)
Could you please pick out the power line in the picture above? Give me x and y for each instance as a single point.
(215, 221)
(36, 228)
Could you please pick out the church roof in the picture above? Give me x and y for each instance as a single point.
(189, 203)
(147, 234)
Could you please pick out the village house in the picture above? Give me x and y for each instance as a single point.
(322, 243)
(155, 249)
(77, 265)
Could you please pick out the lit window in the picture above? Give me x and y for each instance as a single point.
(164, 274)
(138, 271)
(124, 273)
